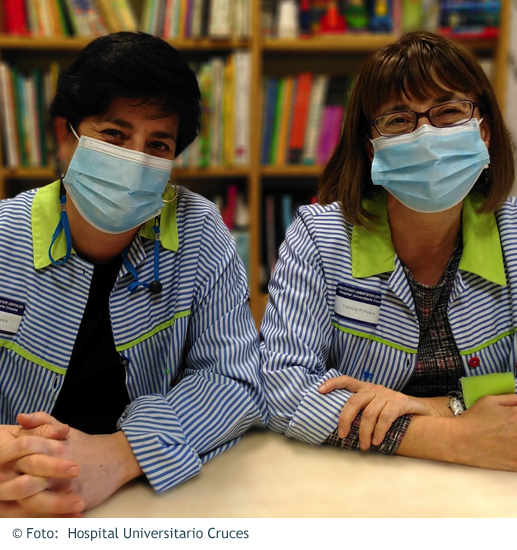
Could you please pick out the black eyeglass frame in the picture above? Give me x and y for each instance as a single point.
(421, 114)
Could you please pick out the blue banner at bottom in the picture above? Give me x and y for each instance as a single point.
(122, 534)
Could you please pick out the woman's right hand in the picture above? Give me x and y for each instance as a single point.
(380, 407)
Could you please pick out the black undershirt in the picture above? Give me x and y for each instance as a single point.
(94, 393)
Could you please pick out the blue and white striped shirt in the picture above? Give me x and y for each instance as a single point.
(340, 303)
(192, 351)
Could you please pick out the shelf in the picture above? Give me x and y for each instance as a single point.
(353, 43)
(180, 173)
(337, 43)
(28, 173)
(207, 173)
(78, 43)
(293, 171)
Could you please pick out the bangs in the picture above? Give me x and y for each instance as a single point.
(420, 73)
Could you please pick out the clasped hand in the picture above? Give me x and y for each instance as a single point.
(380, 407)
(30, 459)
(47, 468)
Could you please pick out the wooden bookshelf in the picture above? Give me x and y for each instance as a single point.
(77, 44)
(280, 56)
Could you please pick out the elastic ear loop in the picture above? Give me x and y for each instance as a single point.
(63, 225)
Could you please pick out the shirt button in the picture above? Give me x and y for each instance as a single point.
(474, 362)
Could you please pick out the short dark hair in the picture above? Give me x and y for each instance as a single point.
(417, 64)
(132, 65)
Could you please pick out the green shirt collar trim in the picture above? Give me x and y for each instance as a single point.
(45, 213)
(373, 252)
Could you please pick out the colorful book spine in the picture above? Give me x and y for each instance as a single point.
(286, 112)
(301, 109)
(228, 119)
(318, 94)
(280, 95)
(242, 107)
(323, 140)
(268, 114)
(7, 114)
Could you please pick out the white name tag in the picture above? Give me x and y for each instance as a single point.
(358, 304)
(11, 314)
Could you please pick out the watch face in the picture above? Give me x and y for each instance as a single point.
(456, 406)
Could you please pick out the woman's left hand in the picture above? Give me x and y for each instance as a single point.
(380, 405)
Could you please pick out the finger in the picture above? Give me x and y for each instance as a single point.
(50, 502)
(369, 420)
(22, 487)
(355, 404)
(46, 466)
(342, 382)
(386, 418)
(44, 425)
(25, 446)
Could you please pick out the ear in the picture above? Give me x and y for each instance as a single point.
(66, 141)
(369, 149)
(486, 132)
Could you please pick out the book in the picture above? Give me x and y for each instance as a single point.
(322, 151)
(268, 114)
(314, 118)
(197, 18)
(286, 112)
(277, 120)
(125, 14)
(229, 108)
(242, 107)
(205, 85)
(299, 119)
(411, 15)
(216, 126)
(268, 17)
(219, 19)
(7, 114)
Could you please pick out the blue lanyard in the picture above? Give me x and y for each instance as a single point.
(63, 225)
(155, 287)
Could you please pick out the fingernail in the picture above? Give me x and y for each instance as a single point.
(323, 386)
(375, 441)
(73, 471)
(341, 433)
(77, 507)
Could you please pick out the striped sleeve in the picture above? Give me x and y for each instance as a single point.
(219, 396)
(295, 341)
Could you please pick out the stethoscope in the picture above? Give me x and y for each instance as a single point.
(154, 287)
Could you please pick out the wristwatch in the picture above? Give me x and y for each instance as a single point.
(456, 403)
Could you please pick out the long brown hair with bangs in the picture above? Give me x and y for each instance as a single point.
(418, 65)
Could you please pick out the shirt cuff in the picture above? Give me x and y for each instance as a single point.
(158, 443)
(389, 445)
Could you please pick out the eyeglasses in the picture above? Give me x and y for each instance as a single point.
(445, 115)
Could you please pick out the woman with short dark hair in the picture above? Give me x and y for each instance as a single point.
(124, 300)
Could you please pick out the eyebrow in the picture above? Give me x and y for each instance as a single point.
(159, 134)
(437, 101)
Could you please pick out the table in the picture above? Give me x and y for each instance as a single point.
(269, 475)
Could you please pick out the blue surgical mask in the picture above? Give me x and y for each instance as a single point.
(115, 189)
(430, 169)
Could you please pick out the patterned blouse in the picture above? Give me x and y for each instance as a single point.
(438, 368)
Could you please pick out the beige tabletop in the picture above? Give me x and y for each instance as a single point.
(269, 475)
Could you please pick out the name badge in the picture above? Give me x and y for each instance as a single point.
(11, 314)
(358, 304)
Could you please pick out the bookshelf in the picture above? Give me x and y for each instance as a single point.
(269, 56)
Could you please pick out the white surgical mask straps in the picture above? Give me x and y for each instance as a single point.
(73, 131)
